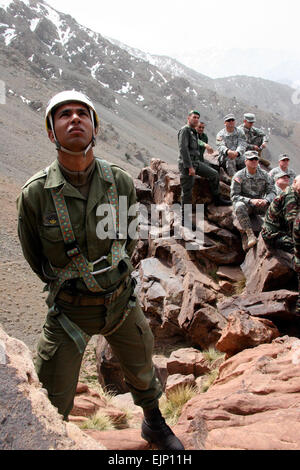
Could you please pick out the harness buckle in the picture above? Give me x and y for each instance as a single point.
(92, 264)
(72, 249)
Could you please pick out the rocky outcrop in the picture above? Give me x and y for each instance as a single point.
(28, 420)
(244, 331)
(267, 270)
(195, 292)
(253, 405)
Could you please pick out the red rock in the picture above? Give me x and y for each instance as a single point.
(82, 388)
(253, 405)
(86, 405)
(243, 331)
(267, 270)
(176, 381)
(124, 439)
(186, 361)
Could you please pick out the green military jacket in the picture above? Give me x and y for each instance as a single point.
(202, 141)
(281, 214)
(296, 237)
(188, 146)
(39, 230)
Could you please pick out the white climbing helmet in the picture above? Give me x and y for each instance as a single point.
(68, 97)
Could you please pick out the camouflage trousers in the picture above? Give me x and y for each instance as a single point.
(243, 211)
(59, 360)
(232, 166)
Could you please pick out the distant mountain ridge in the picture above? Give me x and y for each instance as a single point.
(142, 100)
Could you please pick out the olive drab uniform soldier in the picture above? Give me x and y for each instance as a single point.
(251, 192)
(191, 163)
(87, 275)
(277, 230)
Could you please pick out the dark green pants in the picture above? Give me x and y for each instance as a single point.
(187, 182)
(59, 360)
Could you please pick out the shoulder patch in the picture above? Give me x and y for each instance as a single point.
(237, 179)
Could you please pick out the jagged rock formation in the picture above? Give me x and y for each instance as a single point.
(253, 405)
(214, 295)
(28, 420)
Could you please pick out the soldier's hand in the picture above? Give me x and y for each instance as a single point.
(209, 149)
(192, 171)
(232, 154)
(260, 202)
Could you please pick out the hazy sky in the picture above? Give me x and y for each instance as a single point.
(169, 26)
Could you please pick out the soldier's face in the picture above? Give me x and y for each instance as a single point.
(248, 124)
(230, 125)
(296, 184)
(200, 128)
(283, 182)
(251, 164)
(284, 164)
(193, 120)
(73, 126)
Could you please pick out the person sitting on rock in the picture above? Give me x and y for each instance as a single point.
(282, 181)
(191, 163)
(296, 241)
(256, 138)
(251, 193)
(231, 144)
(283, 166)
(277, 230)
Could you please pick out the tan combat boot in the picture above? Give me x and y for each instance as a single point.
(252, 240)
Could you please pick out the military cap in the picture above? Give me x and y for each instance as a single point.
(250, 154)
(280, 175)
(194, 112)
(229, 116)
(283, 156)
(249, 117)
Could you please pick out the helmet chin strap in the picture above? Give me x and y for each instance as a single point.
(70, 152)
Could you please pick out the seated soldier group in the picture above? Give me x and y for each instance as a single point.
(274, 195)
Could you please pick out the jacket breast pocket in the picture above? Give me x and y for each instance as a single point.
(53, 245)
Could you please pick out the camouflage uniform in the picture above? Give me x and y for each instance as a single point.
(277, 230)
(278, 170)
(236, 141)
(296, 240)
(296, 236)
(254, 136)
(245, 187)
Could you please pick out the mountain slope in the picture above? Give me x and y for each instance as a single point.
(141, 104)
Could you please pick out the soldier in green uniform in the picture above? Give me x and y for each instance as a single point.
(251, 192)
(277, 230)
(88, 276)
(296, 240)
(191, 162)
